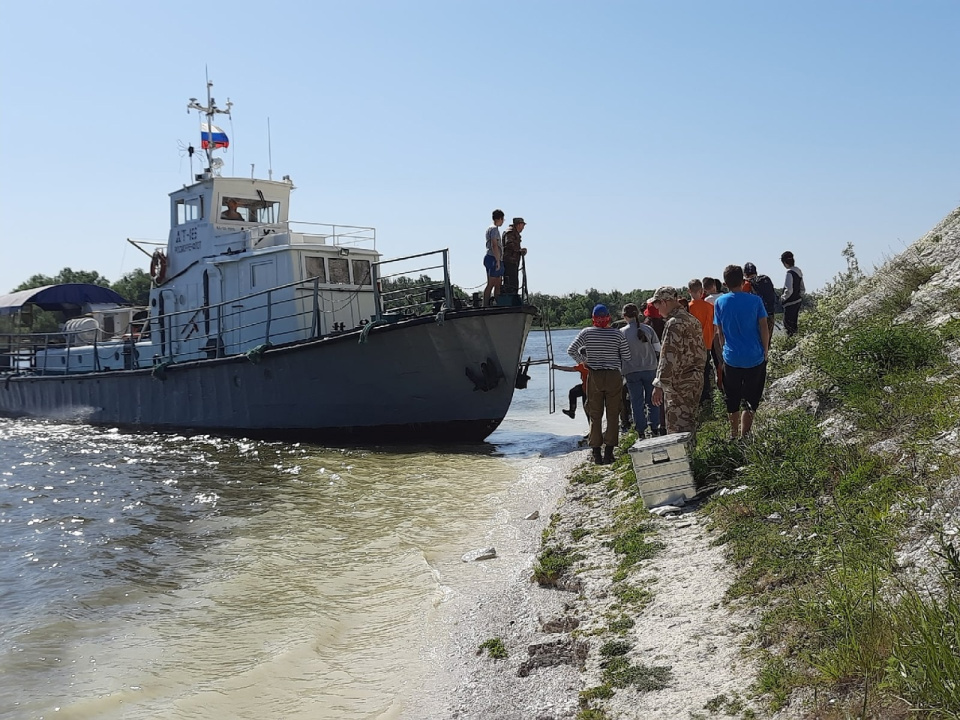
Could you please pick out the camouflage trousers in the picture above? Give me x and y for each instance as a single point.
(681, 402)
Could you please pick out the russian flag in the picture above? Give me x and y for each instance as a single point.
(216, 139)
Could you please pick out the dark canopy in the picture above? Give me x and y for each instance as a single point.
(68, 297)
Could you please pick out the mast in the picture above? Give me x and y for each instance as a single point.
(210, 111)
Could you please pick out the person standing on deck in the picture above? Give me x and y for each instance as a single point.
(604, 351)
(493, 260)
(512, 252)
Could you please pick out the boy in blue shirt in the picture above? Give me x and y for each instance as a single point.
(741, 324)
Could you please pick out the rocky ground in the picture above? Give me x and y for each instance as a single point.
(676, 625)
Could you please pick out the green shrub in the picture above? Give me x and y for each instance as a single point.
(494, 648)
(551, 565)
(600, 692)
(612, 648)
(620, 672)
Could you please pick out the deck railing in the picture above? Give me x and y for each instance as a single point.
(400, 288)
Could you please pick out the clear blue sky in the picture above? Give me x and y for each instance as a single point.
(644, 142)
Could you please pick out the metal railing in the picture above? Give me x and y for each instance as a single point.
(337, 235)
(286, 313)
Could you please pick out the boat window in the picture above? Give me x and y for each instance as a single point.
(361, 272)
(339, 271)
(237, 209)
(189, 210)
(315, 269)
(265, 212)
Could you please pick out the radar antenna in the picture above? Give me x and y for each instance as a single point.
(210, 110)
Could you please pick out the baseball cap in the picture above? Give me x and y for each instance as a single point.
(600, 309)
(665, 292)
(787, 256)
(749, 269)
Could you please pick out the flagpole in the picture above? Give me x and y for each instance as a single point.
(210, 111)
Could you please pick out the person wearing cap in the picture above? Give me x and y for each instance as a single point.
(793, 290)
(604, 351)
(653, 318)
(493, 260)
(512, 252)
(741, 325)
(679, 380)
(762, 287)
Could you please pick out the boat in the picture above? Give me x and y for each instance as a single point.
(264, 327)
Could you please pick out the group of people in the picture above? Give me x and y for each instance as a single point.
(666, 360)
(502, 260)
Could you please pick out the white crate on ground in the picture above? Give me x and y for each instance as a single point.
(662, 467)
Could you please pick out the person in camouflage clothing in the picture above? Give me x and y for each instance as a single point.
(679, 379)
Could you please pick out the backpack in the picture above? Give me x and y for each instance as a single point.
(798, 282)
(762, 286)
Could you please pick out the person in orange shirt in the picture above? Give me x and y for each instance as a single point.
(703, 311)
(577, 391)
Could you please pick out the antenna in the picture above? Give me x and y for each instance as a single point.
(210, 110)
(269, 153)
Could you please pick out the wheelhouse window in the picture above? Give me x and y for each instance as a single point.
(361, 272)
(339, 271)
(189, 210)
(314, 267)
(247, 210)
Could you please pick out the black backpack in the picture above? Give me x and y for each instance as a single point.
(798, 286)
(762, 286)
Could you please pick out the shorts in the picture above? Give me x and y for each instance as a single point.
(744, 384)
(489, 262)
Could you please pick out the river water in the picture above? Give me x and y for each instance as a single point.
(160, 576)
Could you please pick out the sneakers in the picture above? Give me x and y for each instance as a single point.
(607, 454)
(597, 458)
(570, 413)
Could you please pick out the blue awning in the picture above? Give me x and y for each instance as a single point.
(71, 296)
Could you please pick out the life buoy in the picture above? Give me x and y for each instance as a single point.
(158, 267)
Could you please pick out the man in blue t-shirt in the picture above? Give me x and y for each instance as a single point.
(741, 324)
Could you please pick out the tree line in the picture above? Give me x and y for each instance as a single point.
(134, 286)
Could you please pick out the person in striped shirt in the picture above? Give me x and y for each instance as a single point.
(604, 350)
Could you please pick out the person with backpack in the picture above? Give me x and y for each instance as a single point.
(793, 291)
(640, 370)
(761, 286)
